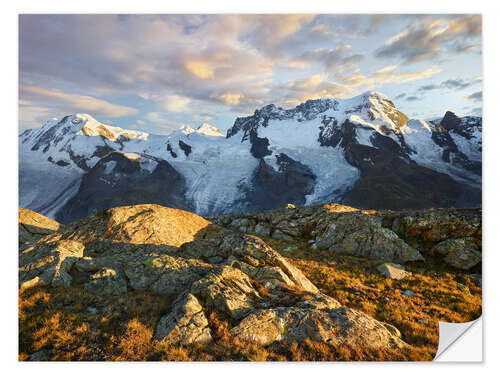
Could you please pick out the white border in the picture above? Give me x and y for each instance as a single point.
(8, 92)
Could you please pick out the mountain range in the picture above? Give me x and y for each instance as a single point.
(360, 151)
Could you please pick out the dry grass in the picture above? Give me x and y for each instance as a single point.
(59, 322)
(355, 283)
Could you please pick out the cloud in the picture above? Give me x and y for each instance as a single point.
(333, 59)
(379, 78)
(212, 64)
(162, 124)
(174, 103)
(71, 103)
(200, 69)
(293, 92)
(458, 84)
(429, 87)
(386, 69)
(412, 98)
(231, 98)
(400, 96)
(426, 39)
(203, 117)
(459, 48)
(475, 96)
(109, 55)
(452, 84)
(140, 122)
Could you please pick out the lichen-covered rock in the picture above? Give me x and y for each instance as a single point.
(263, 327)
(164, 274)
(336, 326)
(359, 234)
(393, 271)
(462, 253)
(290, 228)
(107, 281)
(33, 226)
(244, 225)
(204, 266)
(262, 229)
(279, 235)
(254, 251)
(320, 301)
(185, 324)
(50, 262)
(227, 289)
(141, 224)
(439, 225)
(270, 277)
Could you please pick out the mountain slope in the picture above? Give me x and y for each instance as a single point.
(322, 150)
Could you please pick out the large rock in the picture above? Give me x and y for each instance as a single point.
(462, 253)
(140, 224)
(227, 289)
(393, 271)
(48, 263)
(33, 226)
(107, 281)
(256, 252)
(439, 225)
(337, 326)
(359, 234)
(185, 324)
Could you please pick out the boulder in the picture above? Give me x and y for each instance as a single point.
(336, 326)
(439, 225)
(358, 234)
(244, 225)
(48, 263)
(185, 324)
(33, 226)
(279, 235)
(107, 281)
(262, 229)
(461, 253)
(141, 224)
(227, 289)
(290, 228)
(251, 248)
(393, 271)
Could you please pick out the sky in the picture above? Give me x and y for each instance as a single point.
(156, 73)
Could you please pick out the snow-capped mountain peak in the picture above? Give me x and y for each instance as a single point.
(315, 152)
(92, 127)
(210, 130)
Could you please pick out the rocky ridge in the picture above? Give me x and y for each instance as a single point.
(453, 235)
(203, 267)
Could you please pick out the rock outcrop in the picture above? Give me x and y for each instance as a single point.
(33, 226)
(363, 235)
(390, 236)
(202, 267)
(337, 326)
(462, 253)
(393, 271)
(336, 228)
(185, 324)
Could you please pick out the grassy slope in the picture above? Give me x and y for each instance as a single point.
(59, 322)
